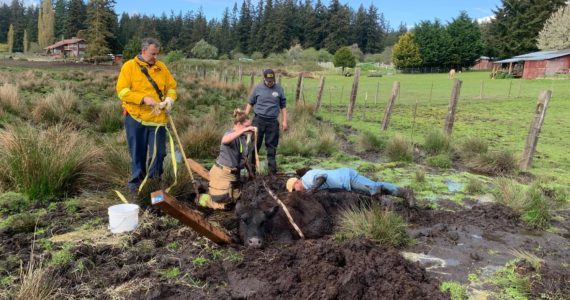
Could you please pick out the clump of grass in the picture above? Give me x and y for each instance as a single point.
(420, 176)
(472, 146)
(55, 107)
(326, 143)
(170, 273)
(375, 223)
(368, 141)
(305, 138)
(399, 148)
(441, 161)
(474, 186)
(11, 202)
(110, 118)
(49, 164)
(436, 142)
(24, 222)
(62, 256)
(10, 99)
(529, 202)
(37, 282)
(455, 289)
(493, 163)
(512, 285)
(202, 138)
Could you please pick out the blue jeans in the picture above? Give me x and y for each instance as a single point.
(140, 139)
(365, 185)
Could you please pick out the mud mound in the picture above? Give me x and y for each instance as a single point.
(553, 283)
(323, 269)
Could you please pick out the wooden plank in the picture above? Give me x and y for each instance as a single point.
(189, 217)
(535, 128)
(199, 169)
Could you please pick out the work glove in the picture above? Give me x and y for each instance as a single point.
(166, 104)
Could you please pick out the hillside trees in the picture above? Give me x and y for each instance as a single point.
(11, 39)
(555, 35)
(98, 33)
(46, 23)
(465, 43)
(433, 41)
(76, 12)
(406, 52)
(60, 19)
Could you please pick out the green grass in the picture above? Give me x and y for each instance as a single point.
(436, 142)
(455, 289)
(399, 148)
(170, 273)
(62, 256)
(441, 161)
(530, 202)
(499, 121)
(511, 285)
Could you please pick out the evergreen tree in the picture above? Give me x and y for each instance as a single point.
(18, 21)
(433, 41)
(393, 35)
(406, 52)
(46, 23)
(555, 35)
(75, 17)
(361, 26)
(338, 26)
(204, 50)
(200, 28)
(4, 22)
(11, 39)
(466, 45)
(516, 25)
(344, 58)
(316, 27)
(60, 19)
(376, 31)
(98, 31)
(244, 26)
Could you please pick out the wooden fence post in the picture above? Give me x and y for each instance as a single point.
(353, 94)
(431, 92)
(482, 89)
(390, 106)
(252, 81)
(298, 90)
(534, 130)
(452, 108)
(377, 92)
(320, 93)
(510, 87)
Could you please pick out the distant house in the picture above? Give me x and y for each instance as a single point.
(536, 64)
(73, 47)
(483, 63)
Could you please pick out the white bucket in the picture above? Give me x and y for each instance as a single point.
(123, 217)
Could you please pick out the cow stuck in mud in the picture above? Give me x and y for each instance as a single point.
(261, 220)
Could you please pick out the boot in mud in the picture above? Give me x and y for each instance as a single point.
(406, 194)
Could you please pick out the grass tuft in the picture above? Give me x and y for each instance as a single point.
(375, 223)
(455, 289)
(49, 164)
(472, 146)
(399, 149)
(368, 141)
(436, 142)
(10, 99)
(11, 202)
(474, 186)
(55, 107)
(36, 282)
(493, 163)
(530, 202)
(441, 161)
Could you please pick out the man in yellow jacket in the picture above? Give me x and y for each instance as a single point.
(143, 102)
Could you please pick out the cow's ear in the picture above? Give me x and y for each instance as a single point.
(271, 213)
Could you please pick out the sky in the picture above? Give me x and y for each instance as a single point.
(409, 12)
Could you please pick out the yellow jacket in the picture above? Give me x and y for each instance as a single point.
(133, 85)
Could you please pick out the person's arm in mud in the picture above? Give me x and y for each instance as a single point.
(317, 183)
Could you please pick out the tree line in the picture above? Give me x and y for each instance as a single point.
(272, 26)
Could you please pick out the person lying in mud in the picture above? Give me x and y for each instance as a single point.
(225, 173)
(349, 180)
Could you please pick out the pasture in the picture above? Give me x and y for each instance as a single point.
(498, 235)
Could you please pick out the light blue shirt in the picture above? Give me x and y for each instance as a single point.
(335, 179)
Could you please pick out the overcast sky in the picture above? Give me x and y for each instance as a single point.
(409, 12)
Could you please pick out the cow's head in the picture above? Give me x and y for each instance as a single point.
(254, 223)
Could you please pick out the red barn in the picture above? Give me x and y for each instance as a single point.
(73, 47)
(537, 64)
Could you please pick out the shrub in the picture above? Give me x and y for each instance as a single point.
(204, 50)
(375, 223)
(436, 142)
(530, 203)
(62, 256)
(510, 193)
(399, 149)
(173, 56)
(12, 202)
(472, 146)
(494, 163)
(10, 98)
(110, 118)
(49, 164)
(439, 161)
(369, 141)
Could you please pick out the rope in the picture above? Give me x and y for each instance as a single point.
(289, 217)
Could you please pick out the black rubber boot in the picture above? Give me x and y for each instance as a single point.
(406, 194)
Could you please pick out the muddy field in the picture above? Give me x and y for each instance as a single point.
(164, 260)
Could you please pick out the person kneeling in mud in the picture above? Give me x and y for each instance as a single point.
(225, 173)
(349, 180)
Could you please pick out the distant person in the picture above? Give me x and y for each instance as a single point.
(349, 180)
(145, 122)
(267, 101)
(224, 174)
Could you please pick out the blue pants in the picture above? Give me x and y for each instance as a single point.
(140, 139)
(365, 185)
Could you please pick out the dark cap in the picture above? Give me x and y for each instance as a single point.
(269, 75)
